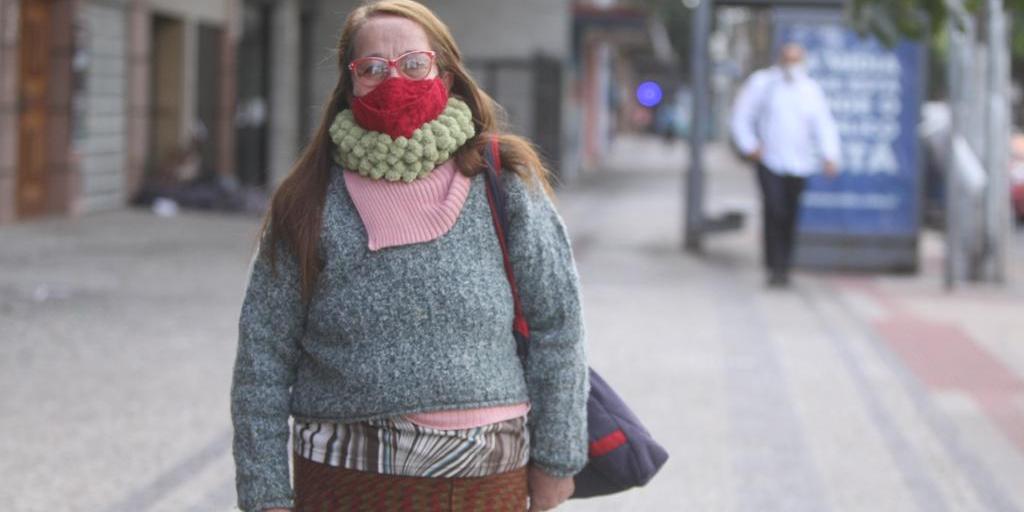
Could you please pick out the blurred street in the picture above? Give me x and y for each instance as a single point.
(852, 392)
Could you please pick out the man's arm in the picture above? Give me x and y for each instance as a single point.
(745, 112)
(826, 133)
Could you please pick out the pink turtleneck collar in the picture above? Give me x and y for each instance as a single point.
(400, 213)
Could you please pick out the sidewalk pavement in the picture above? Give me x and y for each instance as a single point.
(847, 392)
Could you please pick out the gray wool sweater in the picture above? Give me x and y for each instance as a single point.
(408, 329)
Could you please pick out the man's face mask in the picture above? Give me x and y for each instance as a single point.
(794, 70)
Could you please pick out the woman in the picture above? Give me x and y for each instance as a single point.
(378, 313)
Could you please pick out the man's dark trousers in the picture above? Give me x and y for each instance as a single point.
(780, 196)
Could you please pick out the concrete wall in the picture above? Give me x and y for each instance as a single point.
(329, 17)
(99, 136)
(502, 28)
(208, 11)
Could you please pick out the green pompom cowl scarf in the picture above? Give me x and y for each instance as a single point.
(378, 156)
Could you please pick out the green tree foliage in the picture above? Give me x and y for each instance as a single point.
(676, 18)
(891, 20)
(1018, 29)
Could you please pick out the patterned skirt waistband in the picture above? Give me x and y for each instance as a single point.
(397, 446)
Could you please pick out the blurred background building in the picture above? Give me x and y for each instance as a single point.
(105, 103)
(108, 102)
(100, 96)
(103, 98)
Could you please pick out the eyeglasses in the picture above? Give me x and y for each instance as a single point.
(415, 65)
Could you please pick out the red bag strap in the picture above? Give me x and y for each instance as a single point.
(499, 215)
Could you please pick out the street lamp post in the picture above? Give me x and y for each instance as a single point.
(998, 143)
(699, 64)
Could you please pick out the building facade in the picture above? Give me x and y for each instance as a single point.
(97, 97)
(35, 97)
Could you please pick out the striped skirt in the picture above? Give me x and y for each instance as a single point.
(396, 465)
(397, 446)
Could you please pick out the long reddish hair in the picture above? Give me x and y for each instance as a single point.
(295, 217)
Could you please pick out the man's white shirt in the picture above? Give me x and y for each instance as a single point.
(788, 119)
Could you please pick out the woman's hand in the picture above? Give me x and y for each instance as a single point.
(546, 491)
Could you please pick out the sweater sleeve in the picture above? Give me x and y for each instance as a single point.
(270, 328)
(556, 369)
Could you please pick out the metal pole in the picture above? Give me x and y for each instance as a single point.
(950, 223)
(954, 208)
(699, 65)
(998, 204)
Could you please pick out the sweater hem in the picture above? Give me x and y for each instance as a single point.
(557, 471)
(328, 416)
(271, 503)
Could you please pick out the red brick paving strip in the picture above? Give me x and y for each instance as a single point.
(946, 358)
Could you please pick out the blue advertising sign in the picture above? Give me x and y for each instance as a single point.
(875, 95)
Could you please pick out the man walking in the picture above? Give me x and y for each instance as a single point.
(781, 121)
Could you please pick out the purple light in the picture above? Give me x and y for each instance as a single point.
(649, 94)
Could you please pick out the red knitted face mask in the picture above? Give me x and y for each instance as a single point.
(398, 106)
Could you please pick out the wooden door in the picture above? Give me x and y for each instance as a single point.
(208, 104)
(167, 67)
(253, 74)
(33, 89)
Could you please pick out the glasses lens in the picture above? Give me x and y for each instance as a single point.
(415, 65)
(371, 69)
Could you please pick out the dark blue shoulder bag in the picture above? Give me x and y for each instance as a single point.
(623, 454)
